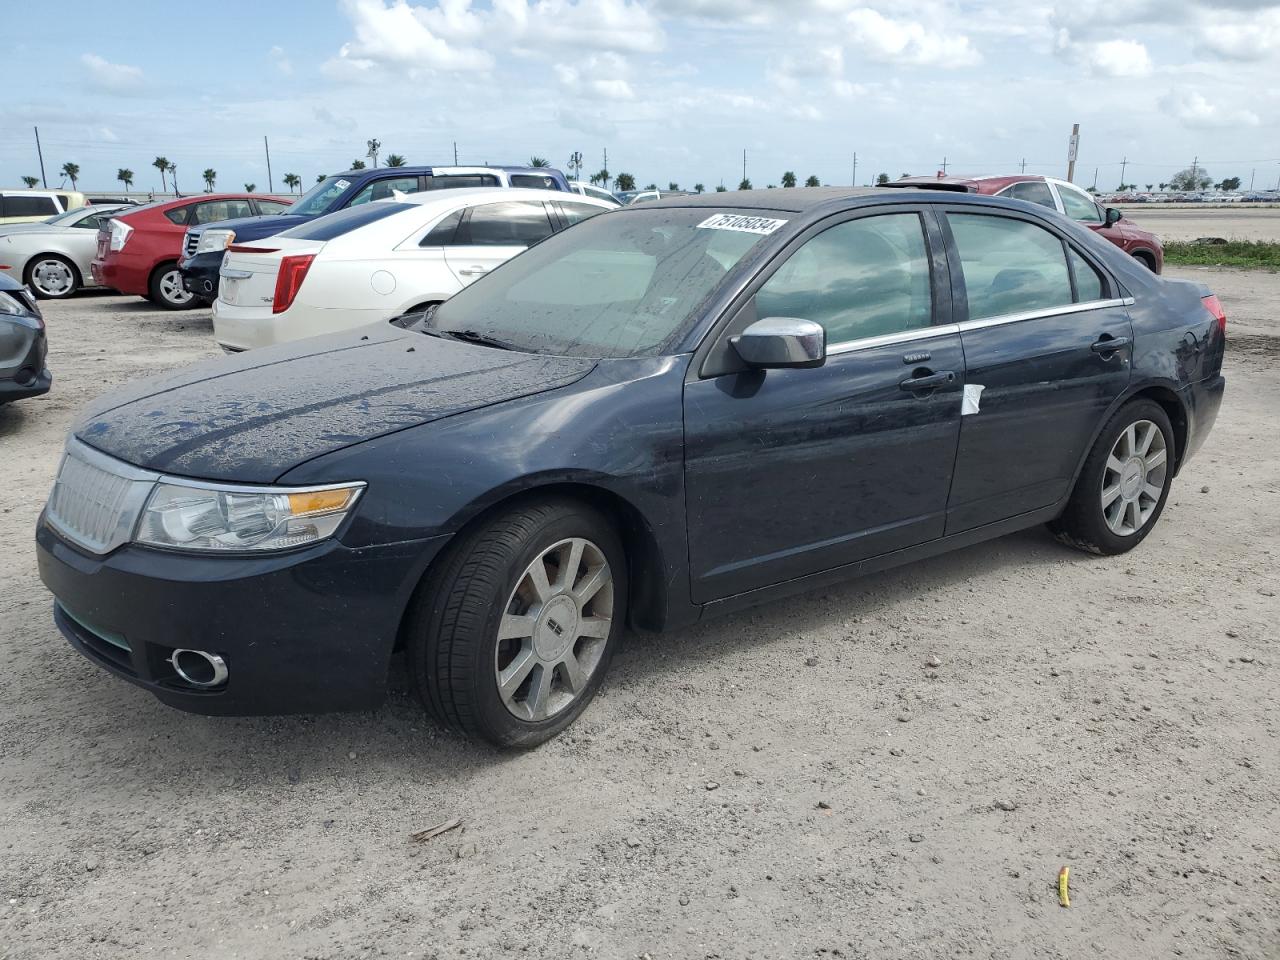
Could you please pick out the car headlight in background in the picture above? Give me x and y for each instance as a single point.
(21, 307)
(218, 519)
(213, 240)
(119, 234)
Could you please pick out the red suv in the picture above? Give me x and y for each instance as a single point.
(138, 249)
(1068, 199)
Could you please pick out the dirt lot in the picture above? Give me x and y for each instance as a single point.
(803, 780)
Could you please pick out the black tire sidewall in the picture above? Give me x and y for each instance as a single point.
(1088, 510)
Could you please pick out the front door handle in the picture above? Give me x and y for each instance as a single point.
(1109, 344)
(928, 381)
(473, 271)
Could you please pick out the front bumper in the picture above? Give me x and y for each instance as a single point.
(23, 373)
(305, 631)
(200, 273)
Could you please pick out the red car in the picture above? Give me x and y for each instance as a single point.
(138, 249)
(1068, 199)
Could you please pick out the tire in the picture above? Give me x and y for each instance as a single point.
(1146, 260)
(165, 288)
(484, 588)
(52, 277)
(1111, 512)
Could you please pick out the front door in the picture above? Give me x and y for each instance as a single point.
(794, 471)
(1047, 347)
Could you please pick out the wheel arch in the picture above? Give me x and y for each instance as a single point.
(1167, 397)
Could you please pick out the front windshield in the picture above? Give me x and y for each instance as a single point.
(616, 285)
(319, 198)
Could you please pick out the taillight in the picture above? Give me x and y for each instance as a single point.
(1214, 306)
(293, 270)
(119, 235)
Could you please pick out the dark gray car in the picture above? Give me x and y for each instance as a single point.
(22, 344)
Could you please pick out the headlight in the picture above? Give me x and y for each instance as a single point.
(216, 519)
(212, 240)
(23, 308)
(119, 234)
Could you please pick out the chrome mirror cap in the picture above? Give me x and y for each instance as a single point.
(782, 342)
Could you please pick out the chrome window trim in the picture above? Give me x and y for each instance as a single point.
(925, 333)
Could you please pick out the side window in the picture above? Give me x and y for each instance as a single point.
(178, 215)
(575, 212)
(89, 223)
(1079, 206)
(1088, 281)
(864, 278)
(1033, 191)
(442, 234)
(65, 200)
(272, 206)
(212, 211)
(533, 181)
(20, 205)
(506, 224)
(383, 189)
(463, 180)
(1009, 265)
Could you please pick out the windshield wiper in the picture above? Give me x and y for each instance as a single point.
(475, 336)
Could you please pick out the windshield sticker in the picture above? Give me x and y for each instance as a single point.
(732, 221)
(342, 184)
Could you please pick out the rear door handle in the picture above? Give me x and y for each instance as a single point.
(930, 381)
(1109, 344)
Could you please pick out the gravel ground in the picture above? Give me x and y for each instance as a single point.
(897, 767)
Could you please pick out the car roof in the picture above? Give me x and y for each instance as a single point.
(445, 197)
(790, 199)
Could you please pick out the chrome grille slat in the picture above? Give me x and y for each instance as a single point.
(191, 241)
(96, 499)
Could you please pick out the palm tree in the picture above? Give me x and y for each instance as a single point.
(161, 164)
(250, 187)
(789, 179)
(31, 182)
(1149, 186)
(292, 180)
(357, 164)
(812, 181)
(71, 171)
(882, 179)
(673, 185)
(538, 162)
(698, 188)
(721, 188)
(210, 175)
(626, 181)
(319, 177)
(125, 176)
(395, 160)
(745, 184)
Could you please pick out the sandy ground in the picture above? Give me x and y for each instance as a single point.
(1190, 223)
(895, 768)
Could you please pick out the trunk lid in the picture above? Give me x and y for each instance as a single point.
(247, 277)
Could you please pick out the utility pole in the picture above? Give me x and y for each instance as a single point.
(1095, 178)
(1073, 147)
(1195, 175)
(744, 165)
(455, 153)
(1123, 163)
(855, 168)
(944, 166)
(40, 154)
(271, 187)
(1252, 173)
(1024, 164)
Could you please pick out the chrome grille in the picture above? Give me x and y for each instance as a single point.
(96, 499)
(192, 241)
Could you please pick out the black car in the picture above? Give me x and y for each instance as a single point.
(664, 413)
(23, 344)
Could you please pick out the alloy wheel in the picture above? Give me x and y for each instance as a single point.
(1134, 477)
(554, 629)
(172, 290)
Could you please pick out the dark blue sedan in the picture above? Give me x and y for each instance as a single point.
(664, 413)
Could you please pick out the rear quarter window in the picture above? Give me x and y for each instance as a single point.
(344, 221)
(178, 215)
(533, 181)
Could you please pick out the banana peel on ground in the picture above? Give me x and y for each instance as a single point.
(1064, 879)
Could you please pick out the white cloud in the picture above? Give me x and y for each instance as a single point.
(1118, 58)
(397, 36)
(1195, 110)
(281, 60)
(1256, 38)
(112, 77)
(908, 41)
(602, 76)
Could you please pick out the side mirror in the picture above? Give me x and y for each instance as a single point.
(776, 342)
(1113, 216)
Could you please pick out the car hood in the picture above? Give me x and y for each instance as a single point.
(254, 228)
(253, 417)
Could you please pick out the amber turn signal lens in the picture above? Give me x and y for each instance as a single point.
(318, 501)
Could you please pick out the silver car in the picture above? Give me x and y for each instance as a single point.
(52, 257)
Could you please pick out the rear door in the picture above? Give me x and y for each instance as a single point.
(793, 471)
(1047, 344)
(490, 234)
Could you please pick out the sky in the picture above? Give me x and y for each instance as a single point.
(674, 90)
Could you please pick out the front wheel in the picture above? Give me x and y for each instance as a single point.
(166, 288)
(512, 632)
(1122, 489)
(52, 277)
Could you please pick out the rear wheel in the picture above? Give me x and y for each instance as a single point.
(1124, 484)
(166, 289)
(52, 277)
(512, 632)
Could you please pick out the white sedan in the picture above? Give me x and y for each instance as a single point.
(376, 261)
